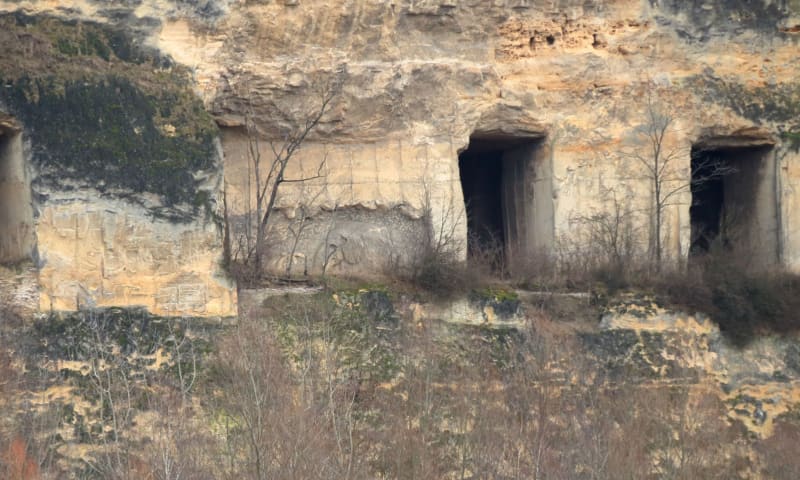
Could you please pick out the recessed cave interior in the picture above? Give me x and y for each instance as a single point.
(734, 204)
(497, 179)
(16, 212)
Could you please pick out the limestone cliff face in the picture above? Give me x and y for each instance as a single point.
(123, 166)
(559, 88)
(572, 78)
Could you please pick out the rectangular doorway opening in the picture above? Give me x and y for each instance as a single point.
(16, 211)
(734, 206)
(498, 177)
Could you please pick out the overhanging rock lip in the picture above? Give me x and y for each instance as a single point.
(508, 122)
(9, 124)
(720, 139)
(507, 134)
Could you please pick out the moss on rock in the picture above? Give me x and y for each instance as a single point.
(103, 113)
(793, 139)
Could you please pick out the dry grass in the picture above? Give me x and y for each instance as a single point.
(339, 388)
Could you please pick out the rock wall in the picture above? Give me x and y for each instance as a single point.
(16, 215)
(430, 75)
(122, 171)
(416, 79)
(97, 252)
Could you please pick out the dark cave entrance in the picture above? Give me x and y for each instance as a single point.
(498, 177)
(733, 203)
(481, 170)
(708, 198)
(16, 212)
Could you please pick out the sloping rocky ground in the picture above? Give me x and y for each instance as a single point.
(367, 382)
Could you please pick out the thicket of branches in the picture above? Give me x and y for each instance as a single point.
(338, 388)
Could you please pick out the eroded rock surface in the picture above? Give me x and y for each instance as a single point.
(642, 340)
(414, 81)
(121, 168)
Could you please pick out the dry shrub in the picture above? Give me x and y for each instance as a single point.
(437, 271)
(291, 393)
(10, 377)
(280, 421)
(742, 301)
(437, 266)
(26, 436)
(530, 408)
(180, 443)
(779, 452)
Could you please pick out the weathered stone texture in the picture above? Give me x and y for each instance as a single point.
(16, 213)
(418, 78)
(113, 167)
(430, 74)
(98, 252)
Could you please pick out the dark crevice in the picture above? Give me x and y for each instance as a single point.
(708, 198)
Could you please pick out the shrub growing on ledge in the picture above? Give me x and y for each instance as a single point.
(744, 303)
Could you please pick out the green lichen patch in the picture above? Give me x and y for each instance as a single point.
(77, 335)
(496, 294)
(361, 327)
(505, 303)
(628, 355)
(76, 40)
(460, 347)
(101, 113)
(109, 134)
(637, 305)
(91, 44)
(793, 139)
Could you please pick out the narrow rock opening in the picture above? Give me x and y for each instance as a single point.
(16, 213)
(733, 203)
(497, 182)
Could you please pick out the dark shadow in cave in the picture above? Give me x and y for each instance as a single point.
(494, 175)
(481, 178)
(734, 211)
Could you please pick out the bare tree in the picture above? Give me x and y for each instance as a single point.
(329, 247)
(267, 176)
(666, 166)
(437, 262)
(302, 220)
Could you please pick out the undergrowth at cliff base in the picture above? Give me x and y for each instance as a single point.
(345, 384)
(745, 304)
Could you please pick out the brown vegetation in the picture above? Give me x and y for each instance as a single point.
(339, 386)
